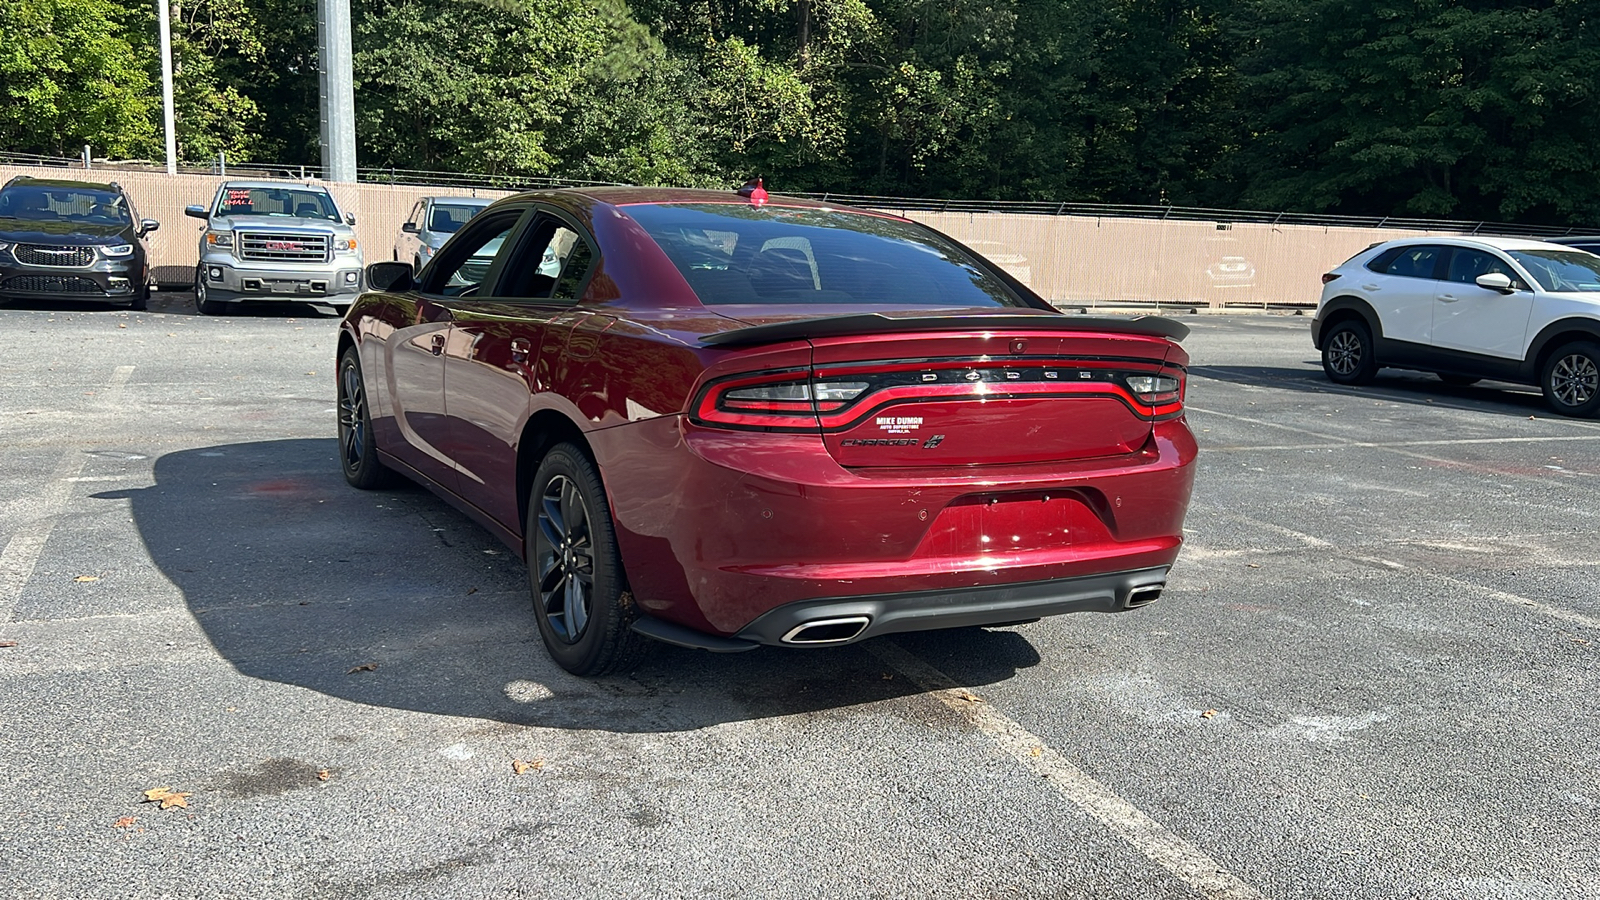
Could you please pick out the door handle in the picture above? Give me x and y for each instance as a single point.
(1369, 287)
(438, 344)
(1447, 298)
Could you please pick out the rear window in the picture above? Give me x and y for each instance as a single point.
(736, 253)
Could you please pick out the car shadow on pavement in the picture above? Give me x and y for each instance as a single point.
(394, 599)
(1396, 385)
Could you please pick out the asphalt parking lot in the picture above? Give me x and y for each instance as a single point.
(1373, 675)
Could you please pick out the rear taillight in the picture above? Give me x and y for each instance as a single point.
(796, 400)
(1329, 276)
(1161, 395)
(773, 400)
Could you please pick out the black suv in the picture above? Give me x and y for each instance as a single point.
(72, 240)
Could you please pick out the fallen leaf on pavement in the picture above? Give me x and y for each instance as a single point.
(968, 696)
(8, 643)
(1255, 565)
(364, 667)
(167, 797)
(1036, 751)
(322, 774)
(124, 822)
(87, 578)
(1210, 713)
(519, 767)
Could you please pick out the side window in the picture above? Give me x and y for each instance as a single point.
(1416, 262)
(553, 265)
(1382, 261)
(472, 256)
(1467, 265)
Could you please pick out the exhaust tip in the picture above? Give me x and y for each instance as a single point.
(1144, 595)
(828, 631)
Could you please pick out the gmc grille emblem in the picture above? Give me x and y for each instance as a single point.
(284, 245)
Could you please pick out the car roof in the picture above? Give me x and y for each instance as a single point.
(624, 196)
(275, 184)
(63, 183)
(463, 201)
(1477, 241)
(1575, 239)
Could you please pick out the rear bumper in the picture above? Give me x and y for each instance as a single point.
(928, 610)
(717, 533)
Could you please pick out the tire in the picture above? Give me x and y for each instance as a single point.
(358, 447)
(202, 302)
(141, 300)
(580, 593)
(1347, 353)
(1570, 379)
(1458, 380)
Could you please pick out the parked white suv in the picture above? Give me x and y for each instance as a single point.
(1467, 308)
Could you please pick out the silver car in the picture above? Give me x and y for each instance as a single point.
(432, 221)
(273, 240)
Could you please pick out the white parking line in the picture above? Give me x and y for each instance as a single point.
(1554, 612)
(1184, 860)
(1336, 442)
(40, 513)
(1385, 445)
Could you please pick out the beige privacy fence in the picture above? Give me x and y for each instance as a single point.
(1071, 259)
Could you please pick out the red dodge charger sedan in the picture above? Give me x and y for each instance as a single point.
(721, 420)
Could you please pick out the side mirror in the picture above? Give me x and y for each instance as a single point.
(148, 225)
(391, 276)
(198, 212)
(1495, 281)
(410, 228)
(349, 218)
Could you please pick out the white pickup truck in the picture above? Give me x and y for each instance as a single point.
(273, 240)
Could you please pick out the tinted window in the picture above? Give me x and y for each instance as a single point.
(1415, 262)
(287, 202)
(1380, 263)
(470, 258)
(553, 265)
(44, 204)
(450, 218)
(736, 253)
(1563, 271)
(1467, 265)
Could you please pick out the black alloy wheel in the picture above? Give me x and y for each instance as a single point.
(580, 595)
(1347, 356)
(358, 451)
(1571, 379)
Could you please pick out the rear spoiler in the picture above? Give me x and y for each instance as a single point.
(878, 323)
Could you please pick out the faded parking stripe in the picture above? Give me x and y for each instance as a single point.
(1184, 860)
(39, 514)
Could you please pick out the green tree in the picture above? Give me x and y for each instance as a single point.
(1427, 108)
(70, 76)
(473, 86)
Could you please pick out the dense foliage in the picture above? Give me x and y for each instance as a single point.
(1457, 108)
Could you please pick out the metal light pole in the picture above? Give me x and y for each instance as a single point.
(337, 81)
(170, 118)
